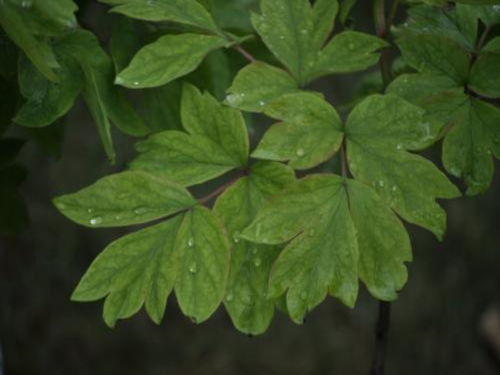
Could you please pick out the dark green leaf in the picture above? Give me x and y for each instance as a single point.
(379, 132)
(170, 57)
(47, 101)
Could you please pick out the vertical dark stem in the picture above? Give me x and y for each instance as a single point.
(382, 27)
(381, 338)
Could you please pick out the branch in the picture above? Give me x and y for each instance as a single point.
(381, 338)
(247, 55)
(221, 189)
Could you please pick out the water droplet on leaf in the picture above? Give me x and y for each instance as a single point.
(190, 242)
(193, 268)
(96, 220)
(300, 152)
(257, 262)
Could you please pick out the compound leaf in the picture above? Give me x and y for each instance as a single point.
(485, 73)
(338, 232)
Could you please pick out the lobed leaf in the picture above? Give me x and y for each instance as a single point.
(246, 298)
(379, 132)
(309, 134)
(338, 232)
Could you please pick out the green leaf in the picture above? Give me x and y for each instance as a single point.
(435, 54)
(485, 73)
(347, 52)
(38, 50)
(170, 57)
(105, 103)
(217, 142)
(188, 12)
(309, 134)
(345, 9)
(379, 132)
(295, 31)
(471, 134)
(139, 268)
(337, 231)
(233, 14)
(246, 297)
(258, 84)
(469, 145)
(126, 198)
(183, 158)
(459, 26)
(384, 245)
(47, 101)
(201, 114)
(203, 251)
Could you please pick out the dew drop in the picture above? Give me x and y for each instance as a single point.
(118, 217)
(300, 152)
(381, 183)
(304, 31)
(229, 297)
(496, 8)
(90, 210)
(26, 4)
(136, 83)
(262, 103)
(399, 146)
(119, 80)
(140, 210)
(282, 37)
(193, 268)
(190, 242)
(234, 99)
(236, 237)
(96, 220)
(394, 188)
(257, 262)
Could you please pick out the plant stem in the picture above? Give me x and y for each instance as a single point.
(221, 189)
(247, 55)
(381, 338)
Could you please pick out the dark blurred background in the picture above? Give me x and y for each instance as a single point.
(446, 320)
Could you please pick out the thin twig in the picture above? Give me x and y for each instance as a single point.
(247, 55)
(221, 189)
(381, 338)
